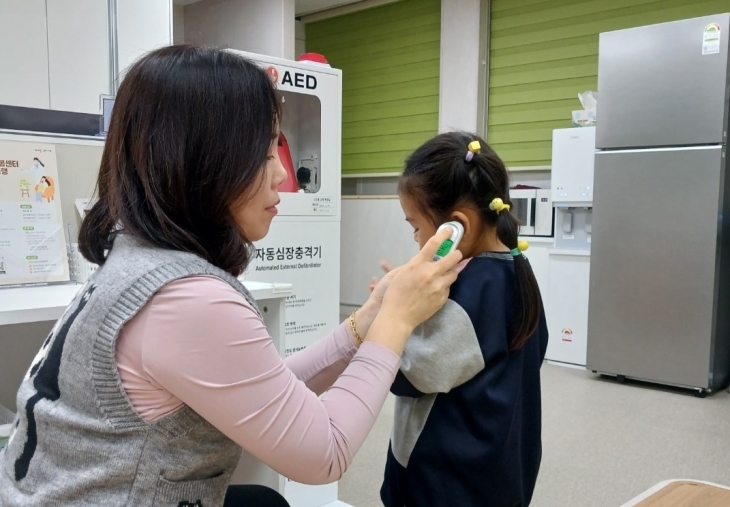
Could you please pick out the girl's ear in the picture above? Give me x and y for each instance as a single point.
(463, 218)
(469, 218)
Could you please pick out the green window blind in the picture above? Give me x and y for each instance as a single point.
(389, 57)
(544, 52)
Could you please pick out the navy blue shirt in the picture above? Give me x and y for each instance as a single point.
(480, 442)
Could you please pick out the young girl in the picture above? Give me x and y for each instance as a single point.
(467, 417)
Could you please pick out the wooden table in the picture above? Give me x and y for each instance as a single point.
(683, 493)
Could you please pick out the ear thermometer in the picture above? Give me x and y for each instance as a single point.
(452, 243)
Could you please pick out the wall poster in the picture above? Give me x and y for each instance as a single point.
(32, 238)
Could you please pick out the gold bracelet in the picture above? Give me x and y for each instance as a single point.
(353, 328)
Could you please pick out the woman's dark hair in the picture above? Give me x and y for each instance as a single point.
(440, 179)
(39, 161)
(188, 141)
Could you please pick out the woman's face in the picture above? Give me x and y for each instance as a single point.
(256, 211)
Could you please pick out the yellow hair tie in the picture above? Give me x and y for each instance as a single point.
(497, 205)
(474, 147)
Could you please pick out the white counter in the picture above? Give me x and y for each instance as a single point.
(538, 240)
(569, 252)
(23, 305)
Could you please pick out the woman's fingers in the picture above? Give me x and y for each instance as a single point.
(448, 263)
(432, 245)
(374, 283)
(387, 267)
(429, 250)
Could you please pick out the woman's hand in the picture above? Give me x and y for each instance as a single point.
(416, 291)
(378, 286)
(420, 287)
(365, 315)
(385, 266)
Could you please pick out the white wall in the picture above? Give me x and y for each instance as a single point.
(300, 37)
(460, 65)
(258, 26)
(373, 230)
(178, 24)
(142, 25)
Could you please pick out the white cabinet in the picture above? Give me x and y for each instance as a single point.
(567, 316)
(537, 254)
(142, 25)
(24, 53)
(54, 54)
(78, 54)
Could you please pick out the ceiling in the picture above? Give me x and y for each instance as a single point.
(302, 7)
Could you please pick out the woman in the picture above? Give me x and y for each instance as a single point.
(162, 369)
(35, 167)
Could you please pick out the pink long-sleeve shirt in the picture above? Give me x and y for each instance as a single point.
(198, 342)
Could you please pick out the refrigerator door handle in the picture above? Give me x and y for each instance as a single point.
(533, 211)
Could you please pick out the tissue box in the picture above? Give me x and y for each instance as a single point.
(584, 118)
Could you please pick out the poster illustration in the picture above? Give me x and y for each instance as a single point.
(32, 239)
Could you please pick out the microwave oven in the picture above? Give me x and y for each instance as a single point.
(534, 209)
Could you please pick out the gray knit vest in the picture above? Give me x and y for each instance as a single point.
(78, 441)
